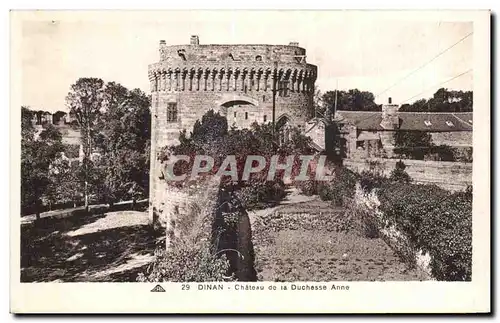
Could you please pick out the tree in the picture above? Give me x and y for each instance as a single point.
(351, 100)
(412, 144)
(124, 139)
(443, 100)
(85, 101)
(38, 154)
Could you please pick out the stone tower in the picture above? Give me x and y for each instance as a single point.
(235, 80)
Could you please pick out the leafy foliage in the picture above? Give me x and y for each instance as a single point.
(123, 139)
(340, 190)
(412, 144)
(351, 100)
(436, 221)
(443, 100)
(187, 263)
(399, 174)
(211, 137)
(38, 153)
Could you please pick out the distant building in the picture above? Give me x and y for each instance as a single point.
(371, 134)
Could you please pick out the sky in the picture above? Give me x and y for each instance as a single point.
(351, 51)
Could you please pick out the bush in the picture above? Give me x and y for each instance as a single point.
(187, 263)
(260, 194)
(307, 188)
(371, 180)
(359, 220)
(435, 221)
(398, 174)
(343, 187)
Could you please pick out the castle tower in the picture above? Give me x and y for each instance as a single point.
(235, 80)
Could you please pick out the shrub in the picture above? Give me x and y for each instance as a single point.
(371, 180)
(259, 194)
(399, 174)
(343, 187)
(359, 220)
(325, 192)
(187, 263)
(437, 222)
(307, 188)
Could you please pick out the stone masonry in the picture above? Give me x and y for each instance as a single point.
(234, 80)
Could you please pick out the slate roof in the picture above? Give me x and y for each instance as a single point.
(421, 121)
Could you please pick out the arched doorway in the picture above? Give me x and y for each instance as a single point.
(240, 113)
(283, 129)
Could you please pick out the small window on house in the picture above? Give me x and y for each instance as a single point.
(265, 118)
(172, 112)
(449, 124)
(246, 115)
(427, 123)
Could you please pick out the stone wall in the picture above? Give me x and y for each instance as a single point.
(452, 138)
(448, 175)
(181, 210)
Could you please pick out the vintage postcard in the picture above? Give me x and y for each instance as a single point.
(279, 161)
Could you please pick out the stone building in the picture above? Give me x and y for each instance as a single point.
(238, 81)
(371, 133)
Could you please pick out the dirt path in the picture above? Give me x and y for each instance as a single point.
(114, 246)
(298, 241)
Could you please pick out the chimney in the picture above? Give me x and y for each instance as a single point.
(390, 117)
(292, 43)
(195, 40)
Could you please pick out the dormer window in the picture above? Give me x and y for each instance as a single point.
(427, 123)
(231, 56)
(258, 58)
(449, 124)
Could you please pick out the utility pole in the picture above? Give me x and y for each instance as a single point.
(275, 74)
(335, 106)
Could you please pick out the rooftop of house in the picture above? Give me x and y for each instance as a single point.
(413, 121)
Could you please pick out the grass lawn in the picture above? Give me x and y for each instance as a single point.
(110, 247)
(298, 242)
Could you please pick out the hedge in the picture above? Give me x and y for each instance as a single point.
(436, 221)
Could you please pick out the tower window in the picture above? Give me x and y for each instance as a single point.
(246, 115)
(235, 114)
(283, 88)
(263, 98)
(265, 118)
(172, 112)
